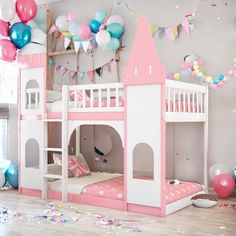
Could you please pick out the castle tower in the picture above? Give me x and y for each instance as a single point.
(145, 127)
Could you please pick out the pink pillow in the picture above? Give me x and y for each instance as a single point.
(77, 167)
(78, 95)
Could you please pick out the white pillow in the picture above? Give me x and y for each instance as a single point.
(53, 96)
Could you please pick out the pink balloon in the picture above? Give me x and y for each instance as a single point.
(194, 74)
(213, 86)
(115, 19)
(223, 185)
(71, 17)
(231, 72)
(220, 84)
(26, 10)
(84, 31)
(7, 50)
(4, 28)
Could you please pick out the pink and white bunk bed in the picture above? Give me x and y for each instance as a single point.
(138, 109)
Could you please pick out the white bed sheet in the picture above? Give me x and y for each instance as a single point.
(76, 185)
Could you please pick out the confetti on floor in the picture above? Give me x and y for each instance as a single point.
(58, 214)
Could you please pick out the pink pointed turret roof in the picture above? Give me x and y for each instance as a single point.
(144, 66)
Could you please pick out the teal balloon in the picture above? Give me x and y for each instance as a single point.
(114, 44)
(73, 27)
(12, 175)
(100, 16)
(116, 30)
(185, 73)
(20, 34)
(94, 26)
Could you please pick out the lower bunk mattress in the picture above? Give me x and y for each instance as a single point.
(111, 186)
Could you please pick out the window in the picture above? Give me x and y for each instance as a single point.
(3, 138)
(8, 83)
(32, 154)
(143, 162)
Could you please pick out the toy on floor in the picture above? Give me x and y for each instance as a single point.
(175, 182)
(204, 200)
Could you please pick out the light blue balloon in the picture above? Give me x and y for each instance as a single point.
(12, 175)
(185, 73)
(114, 44)
(41, 19)
(73, 27)
(94, 26)
(116, 30)
(100, 16)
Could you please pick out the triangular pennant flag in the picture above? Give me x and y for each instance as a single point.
(72, 74)
(57, 67)
(52, 29)
(75, 74)
(153, 28)
(175, 33)
(98, 71)
(179, 29)
(66, 42)
(63, 70)
(169, 33)
(161, 31)
(90, 74)
(85, 45)
(186, 26)
(77, 46)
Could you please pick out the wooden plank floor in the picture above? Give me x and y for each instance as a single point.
(189, 221)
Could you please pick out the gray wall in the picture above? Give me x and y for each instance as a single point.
(213, 40)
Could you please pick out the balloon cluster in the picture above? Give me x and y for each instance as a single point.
(223, 181)
(105, 29)
(17, 35)
(191, 67)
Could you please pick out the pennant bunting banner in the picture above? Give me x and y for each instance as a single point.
(66, 42)
(82, 74)
(173, 32)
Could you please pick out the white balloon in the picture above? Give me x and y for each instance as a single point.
(32, 48)
(2, 180)
(217, 169)
(38, 36)
(62, 23)
(103, 38)
(7, 10)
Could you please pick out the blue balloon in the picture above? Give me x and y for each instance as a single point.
(116, 30)
(100, 16)
(12, 175)
(185, 73)
(94, 26)
(114, 44)
(20, 34)
(220, 77)
(41, 19)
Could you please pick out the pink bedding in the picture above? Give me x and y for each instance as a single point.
(113, 189)
(179, 107)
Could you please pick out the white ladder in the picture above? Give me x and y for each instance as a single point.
(64, 150)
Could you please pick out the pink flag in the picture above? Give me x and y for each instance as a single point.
(57, 68)
(169, 33)
(63, 70)
(52, 29)
(90, 74)
(72, 74)
(185, 25)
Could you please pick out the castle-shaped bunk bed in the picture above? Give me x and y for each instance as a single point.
(138, 109)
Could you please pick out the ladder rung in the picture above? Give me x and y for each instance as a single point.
(52, 120)
(51, 176)
(53, 149)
